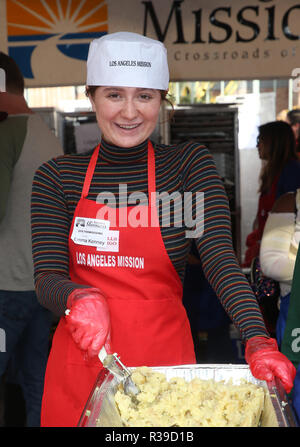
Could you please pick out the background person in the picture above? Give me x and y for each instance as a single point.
(279, 248)
(280, 174)
(133, 309)
(25, 142)
(293, 118)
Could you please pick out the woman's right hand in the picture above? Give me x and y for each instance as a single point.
(88, 320)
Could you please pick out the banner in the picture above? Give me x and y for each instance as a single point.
(206, 40)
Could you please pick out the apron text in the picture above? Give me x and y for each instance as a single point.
(98, 260)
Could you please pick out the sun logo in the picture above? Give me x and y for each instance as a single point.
(43, 34)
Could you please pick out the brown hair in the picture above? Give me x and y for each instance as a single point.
(279, 141)
(293, 116)
(13, 77)
(90, 90)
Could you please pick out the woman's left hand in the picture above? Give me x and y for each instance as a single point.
(266, 362)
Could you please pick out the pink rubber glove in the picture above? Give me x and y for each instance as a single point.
(88, 320)
(266, 362)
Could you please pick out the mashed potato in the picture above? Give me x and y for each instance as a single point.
(198, 403)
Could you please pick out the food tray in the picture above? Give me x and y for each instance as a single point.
(101, 411)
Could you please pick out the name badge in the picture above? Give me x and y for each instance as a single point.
(112, 242)
(91, 232)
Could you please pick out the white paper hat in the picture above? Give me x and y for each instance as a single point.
(128, 60)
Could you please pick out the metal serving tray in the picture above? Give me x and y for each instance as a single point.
(101, 410)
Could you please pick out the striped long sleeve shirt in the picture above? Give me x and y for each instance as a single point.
(183, 170)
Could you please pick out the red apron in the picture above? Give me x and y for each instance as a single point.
(149, 325)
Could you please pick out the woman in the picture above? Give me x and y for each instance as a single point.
(280, 174)
(278, 250)
(123, 288)
(293, 118)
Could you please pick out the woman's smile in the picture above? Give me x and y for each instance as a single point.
(128, 126)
